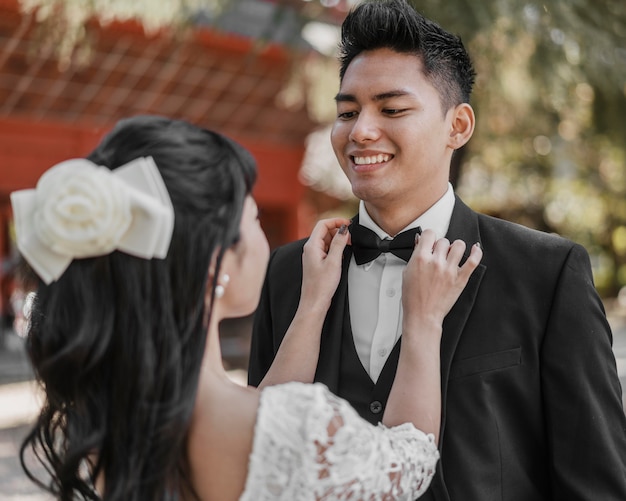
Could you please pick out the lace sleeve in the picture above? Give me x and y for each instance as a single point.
(311, 445)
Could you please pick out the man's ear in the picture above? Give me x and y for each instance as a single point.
(462, 125)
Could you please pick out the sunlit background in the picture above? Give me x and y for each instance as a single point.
(550, 146)
(549, 150)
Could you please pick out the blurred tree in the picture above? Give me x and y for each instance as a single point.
(549, 150)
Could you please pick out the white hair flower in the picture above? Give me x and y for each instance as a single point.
(80, 210)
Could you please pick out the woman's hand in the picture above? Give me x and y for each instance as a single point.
(297, 356)
(433, 280)
(321, 262)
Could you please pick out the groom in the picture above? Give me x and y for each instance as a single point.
(531, 398)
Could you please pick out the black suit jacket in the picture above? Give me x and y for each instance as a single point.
(532, 405)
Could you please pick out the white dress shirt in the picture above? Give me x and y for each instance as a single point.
(375, 289)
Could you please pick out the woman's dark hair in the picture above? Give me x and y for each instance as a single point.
(396, 25)
(117, 342)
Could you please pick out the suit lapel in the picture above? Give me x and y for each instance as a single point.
(330, 348)
(463, 226)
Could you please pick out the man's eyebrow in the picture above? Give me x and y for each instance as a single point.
(345, 98)
(378, 97)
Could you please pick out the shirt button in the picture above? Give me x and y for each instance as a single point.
(376, 407)
(391, 292)
(382, 352)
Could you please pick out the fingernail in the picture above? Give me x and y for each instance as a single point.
(477, 244)
(417, 234)
(343, 229)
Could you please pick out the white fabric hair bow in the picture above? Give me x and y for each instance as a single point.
(79, 210)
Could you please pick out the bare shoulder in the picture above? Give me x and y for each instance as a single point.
(220, 439)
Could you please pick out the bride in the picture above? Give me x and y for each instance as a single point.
(138, 253)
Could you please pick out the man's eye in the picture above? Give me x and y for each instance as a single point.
(346, 115)
(393, 111)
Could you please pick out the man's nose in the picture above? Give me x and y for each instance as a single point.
(365, 128)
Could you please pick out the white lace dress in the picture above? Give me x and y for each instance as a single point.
(311, 445)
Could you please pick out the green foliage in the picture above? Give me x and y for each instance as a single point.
(549, 149)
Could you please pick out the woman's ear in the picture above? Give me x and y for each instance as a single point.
(462, 125)
(222, 279)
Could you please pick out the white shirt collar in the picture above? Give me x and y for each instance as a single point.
(437, 218)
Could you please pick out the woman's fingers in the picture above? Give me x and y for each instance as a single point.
(324, 231)
(452, 253)
(326, 243)
(442, 249)
(476, 254)
(433, 279)
(338, 244)
(426, 242)
(321, 261)
(456, 251)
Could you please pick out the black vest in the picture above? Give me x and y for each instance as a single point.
(355, 384)
(369, 399)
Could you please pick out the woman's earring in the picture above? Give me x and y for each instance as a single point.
(221, 289)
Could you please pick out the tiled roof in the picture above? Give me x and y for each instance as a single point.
(214, 79)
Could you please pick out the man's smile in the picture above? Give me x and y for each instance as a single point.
(371, 159)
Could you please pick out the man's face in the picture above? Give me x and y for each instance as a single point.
(390, 136)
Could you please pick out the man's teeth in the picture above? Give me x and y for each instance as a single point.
(376, 159)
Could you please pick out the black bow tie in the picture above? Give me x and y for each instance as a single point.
(367, 246)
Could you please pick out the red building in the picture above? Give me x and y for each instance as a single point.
(51, 111)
